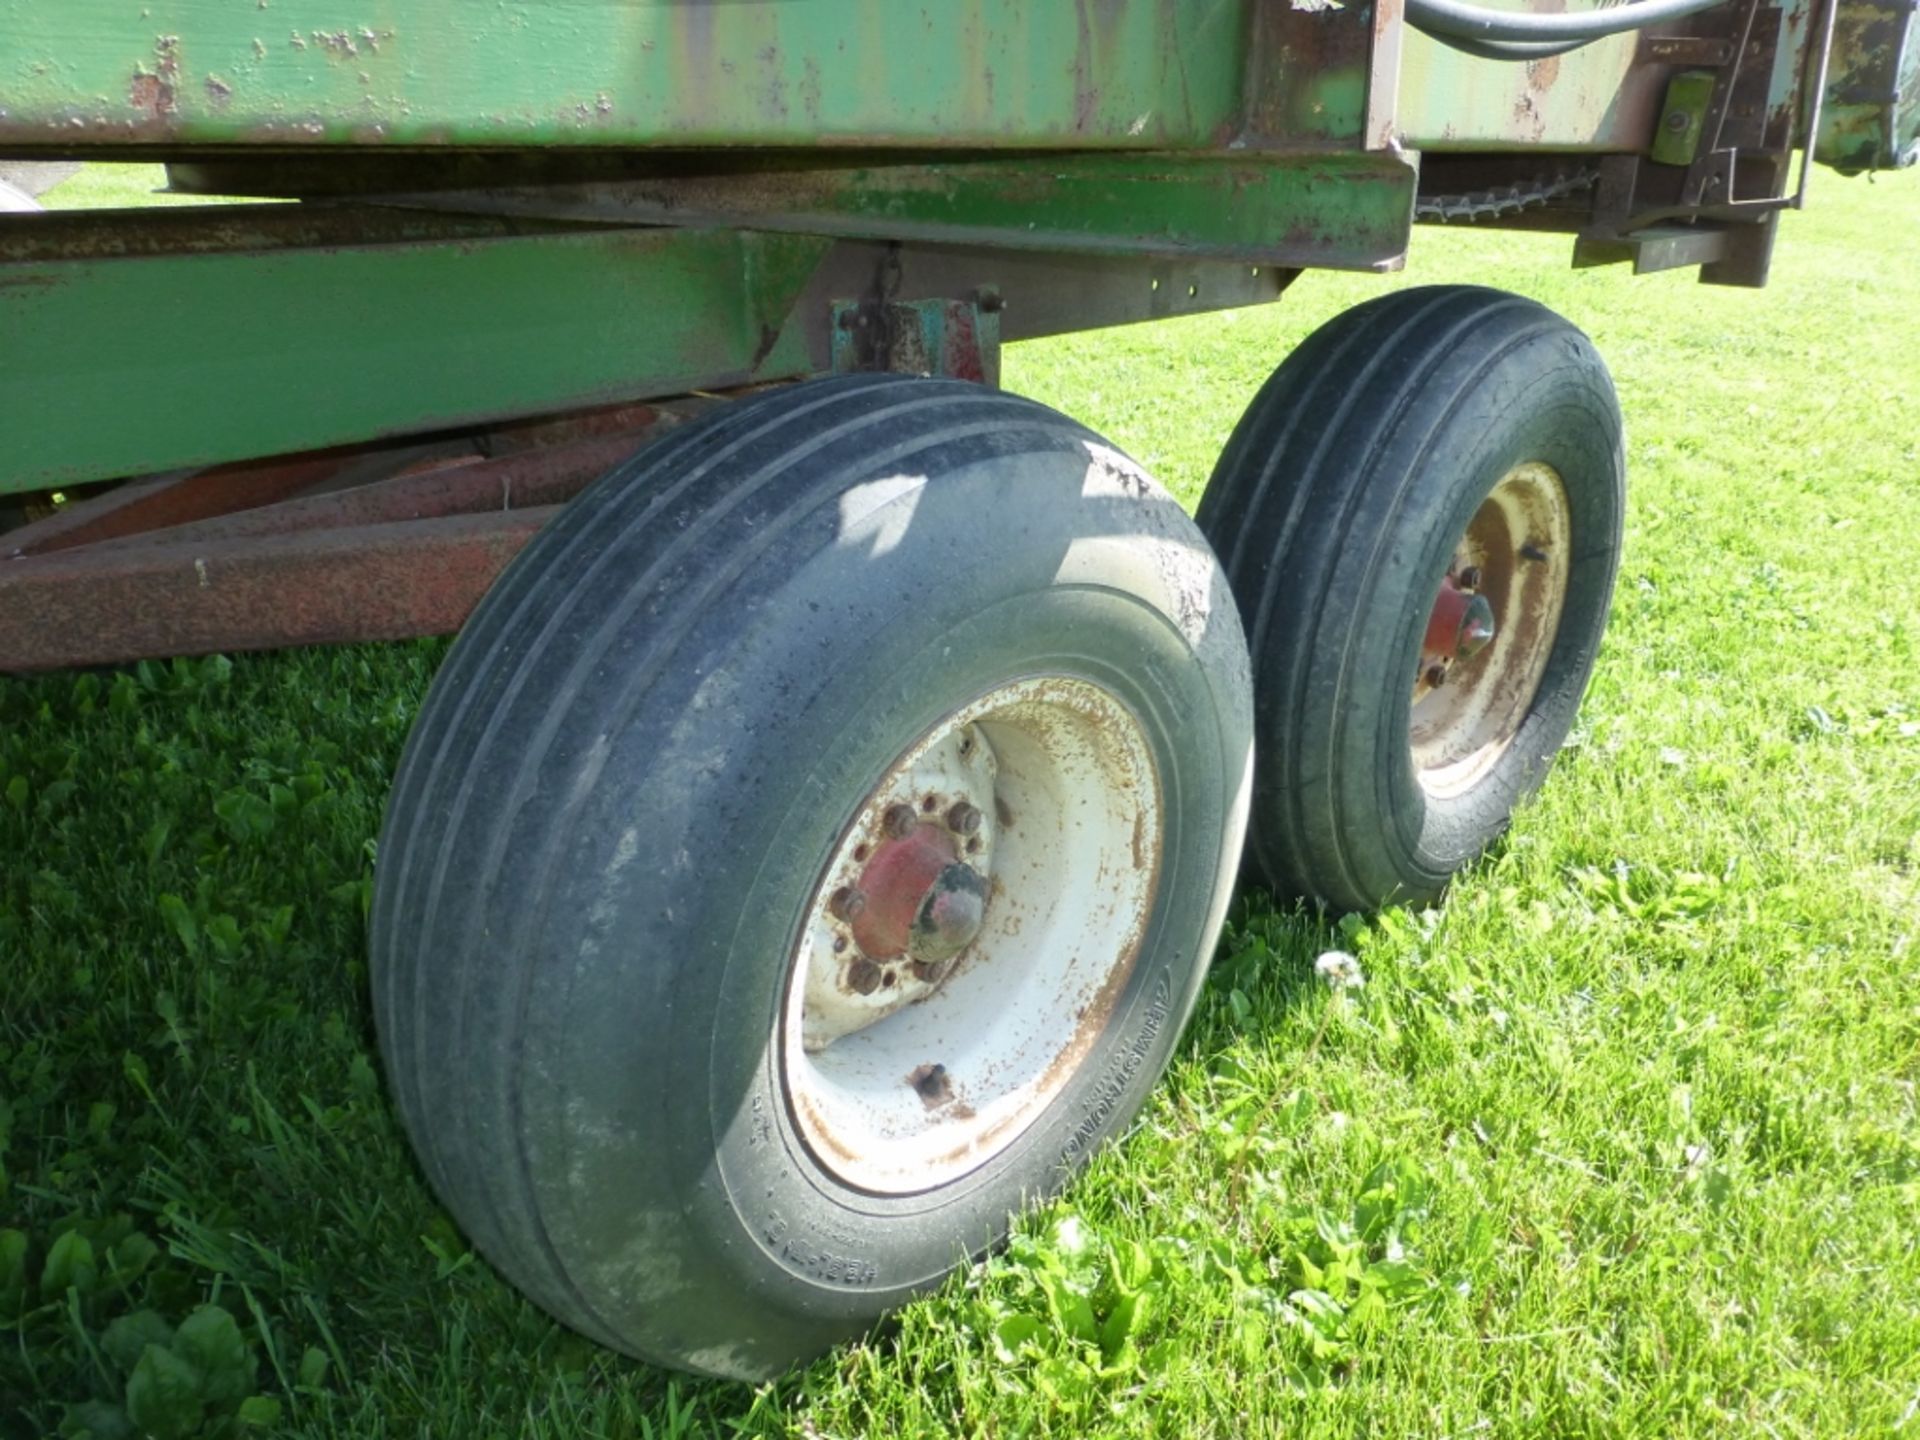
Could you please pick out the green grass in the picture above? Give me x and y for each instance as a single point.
(104, 185)
(1622, 1141)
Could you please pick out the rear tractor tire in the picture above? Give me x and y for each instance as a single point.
(807, 856)
(1420, 514)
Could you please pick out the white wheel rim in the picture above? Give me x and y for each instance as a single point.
(1520, 541)
(902, 1077)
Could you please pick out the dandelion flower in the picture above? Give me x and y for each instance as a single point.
(1340, 970)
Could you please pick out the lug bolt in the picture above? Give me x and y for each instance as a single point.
(1468, 578)
(899, 821)
(846, 903)
(1436, 676)
(863, 976)
(963, 819)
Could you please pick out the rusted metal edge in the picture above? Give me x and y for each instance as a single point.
(461, 486)
(160, 502)
(377, 582)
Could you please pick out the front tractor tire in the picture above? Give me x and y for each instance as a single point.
(807, 856)
(1421, 517)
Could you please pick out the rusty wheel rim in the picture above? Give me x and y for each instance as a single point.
(1472, 692)
(971, 935)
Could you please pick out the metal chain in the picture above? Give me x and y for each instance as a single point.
(1503, 199)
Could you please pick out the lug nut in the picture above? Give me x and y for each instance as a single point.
(863, 976)
(963, 819)
(1436, 676)
(1468, 578)
(899, 821)
(846, 903)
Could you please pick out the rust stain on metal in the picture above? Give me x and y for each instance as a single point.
(816, 1127)
(379, 582)
(160, 501)
(154, 91)
(309, 548)
(459, 484)
(931, 1084)
(150, 93)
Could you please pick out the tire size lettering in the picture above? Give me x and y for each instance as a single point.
(1109, 1089)
(801, 1253)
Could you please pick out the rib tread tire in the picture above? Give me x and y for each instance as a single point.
(1354, 467)
(663, 505)
(596, 629)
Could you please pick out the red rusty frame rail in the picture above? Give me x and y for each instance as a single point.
(373, 542)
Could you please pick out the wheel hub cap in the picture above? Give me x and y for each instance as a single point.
(1460, 626)
(918, 899)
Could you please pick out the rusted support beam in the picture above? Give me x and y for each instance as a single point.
(377, 582)
(467, 486)
(155, 502)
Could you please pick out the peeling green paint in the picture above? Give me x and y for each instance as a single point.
(1871, 120)
(1148, 73)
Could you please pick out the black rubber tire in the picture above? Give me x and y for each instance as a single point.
(625, 784)
(1335, 508)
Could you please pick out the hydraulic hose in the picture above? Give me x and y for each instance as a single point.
(1454, 20)
(1509, 50)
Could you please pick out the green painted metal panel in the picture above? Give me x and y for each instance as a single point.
(1602, 97)
(1144, 73)
(114, 365)
(1589, 99)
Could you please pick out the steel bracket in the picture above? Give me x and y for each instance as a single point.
(953, 339)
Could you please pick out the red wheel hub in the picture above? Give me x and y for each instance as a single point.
(1459, 627)
(916, 896)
